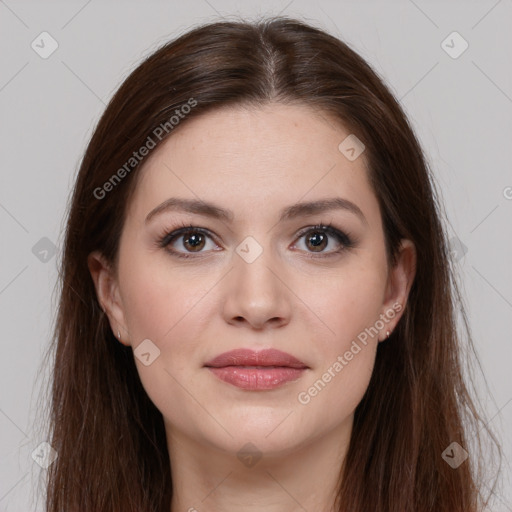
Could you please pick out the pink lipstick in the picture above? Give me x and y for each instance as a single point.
(256, 371)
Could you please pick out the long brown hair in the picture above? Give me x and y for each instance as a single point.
(110, 438)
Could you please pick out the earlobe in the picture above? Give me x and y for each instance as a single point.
(107, 292)
(400, 279)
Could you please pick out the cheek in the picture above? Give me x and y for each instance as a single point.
(350, 307)
(348, 304)
(157, 297)
(164, 308)
(335, 391)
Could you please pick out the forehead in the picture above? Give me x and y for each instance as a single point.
(254, 159)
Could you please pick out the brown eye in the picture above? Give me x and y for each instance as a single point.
(194, 241)
(317, 241)
(188, 241)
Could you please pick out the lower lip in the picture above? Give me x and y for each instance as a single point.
(255, 379)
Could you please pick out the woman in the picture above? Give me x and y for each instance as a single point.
(257, 309)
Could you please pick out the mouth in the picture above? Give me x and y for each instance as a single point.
(256, 371)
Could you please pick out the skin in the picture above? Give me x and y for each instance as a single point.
(254, 161)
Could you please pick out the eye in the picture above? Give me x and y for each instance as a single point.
(187, 240)
(317, 239)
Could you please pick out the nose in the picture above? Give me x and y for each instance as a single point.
(256, 294)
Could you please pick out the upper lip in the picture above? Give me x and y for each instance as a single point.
(248, 357)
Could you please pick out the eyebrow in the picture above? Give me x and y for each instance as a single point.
(296, 210)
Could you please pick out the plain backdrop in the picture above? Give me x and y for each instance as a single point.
(459, 103)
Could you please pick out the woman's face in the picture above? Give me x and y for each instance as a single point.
(253, 273)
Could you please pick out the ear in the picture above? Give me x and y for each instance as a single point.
(107, 291)
(400, 279)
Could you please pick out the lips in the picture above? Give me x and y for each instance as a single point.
(264, 358)
(256, 371)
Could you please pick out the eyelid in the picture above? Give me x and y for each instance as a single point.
(170, 235)
(342, 237)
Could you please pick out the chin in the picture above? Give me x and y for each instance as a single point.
(271, 438)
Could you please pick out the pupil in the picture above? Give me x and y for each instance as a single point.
(194, 241)
(317, 240)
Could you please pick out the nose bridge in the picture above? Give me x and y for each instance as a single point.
(254, 291)
(252, 270)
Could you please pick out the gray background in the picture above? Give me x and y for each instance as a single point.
(460, 108)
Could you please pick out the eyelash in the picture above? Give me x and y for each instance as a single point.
(344, 239)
